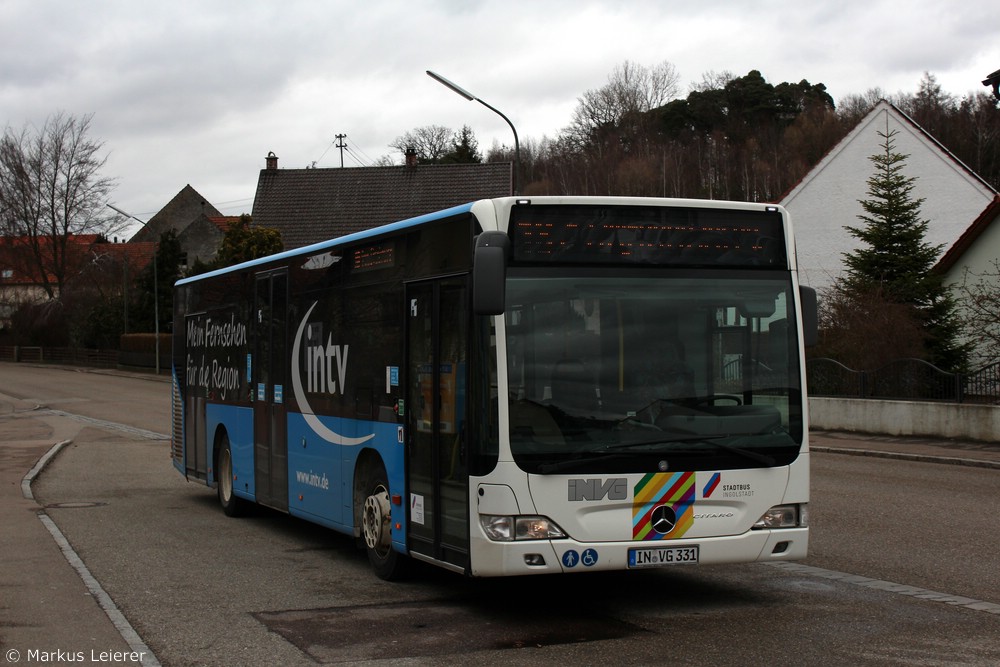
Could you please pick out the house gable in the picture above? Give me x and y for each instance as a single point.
(201, 239)
(829, 198)
(976, 250)
(186, 207)
(972, 263)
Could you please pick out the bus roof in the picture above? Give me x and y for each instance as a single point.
(502, 203)
(332, 243)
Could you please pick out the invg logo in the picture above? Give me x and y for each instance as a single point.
(615, 488)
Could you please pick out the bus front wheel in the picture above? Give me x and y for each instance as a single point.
(376, 528)
(231, 505)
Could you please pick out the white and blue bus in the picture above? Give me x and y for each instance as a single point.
(513, 386)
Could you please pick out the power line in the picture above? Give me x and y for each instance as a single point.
(357, 158)
(361, 158)
(368, 161)
(234, 201)
(315, 162)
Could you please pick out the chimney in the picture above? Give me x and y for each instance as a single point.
(411, 157)
(272, 160)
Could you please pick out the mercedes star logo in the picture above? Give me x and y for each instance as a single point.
(663, 519)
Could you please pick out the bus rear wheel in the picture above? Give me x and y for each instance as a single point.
(231, 505)
(376, 528)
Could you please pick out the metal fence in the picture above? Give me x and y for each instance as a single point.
(75, 356)
(903, 379)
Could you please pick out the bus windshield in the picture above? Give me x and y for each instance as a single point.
(649, 370)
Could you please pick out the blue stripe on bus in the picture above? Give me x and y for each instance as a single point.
(333, 243)
(238, 422)
(319, 472)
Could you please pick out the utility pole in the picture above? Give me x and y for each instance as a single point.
(341, 146)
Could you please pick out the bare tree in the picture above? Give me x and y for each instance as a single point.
(631, 89)
(852, 108)
(712, 80)
(979, 296)
(431, 142)
(50, 189)
(866, 329)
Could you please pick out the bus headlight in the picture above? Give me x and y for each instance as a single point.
(784, 516)
(510, 528)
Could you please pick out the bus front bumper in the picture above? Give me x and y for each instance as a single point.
(497, 559)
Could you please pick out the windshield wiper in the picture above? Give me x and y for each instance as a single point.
(662, 441)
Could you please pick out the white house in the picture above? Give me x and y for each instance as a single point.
(828, 199)
(974, 257)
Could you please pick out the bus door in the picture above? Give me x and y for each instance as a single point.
(437, 458)
(270, 371)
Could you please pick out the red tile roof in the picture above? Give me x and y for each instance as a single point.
(223, 221)
(17, 266)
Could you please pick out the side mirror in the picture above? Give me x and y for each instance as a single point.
(810, 316)
(489, 273)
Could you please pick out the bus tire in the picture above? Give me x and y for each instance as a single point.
(376, 528)
(231, 504)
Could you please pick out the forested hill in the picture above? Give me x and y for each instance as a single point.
(739, 138)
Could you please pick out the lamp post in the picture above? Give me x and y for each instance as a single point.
(472, 98)
(156, 291)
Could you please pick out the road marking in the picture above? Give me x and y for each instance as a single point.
(878, 584)
(114, 614)
(121, 624)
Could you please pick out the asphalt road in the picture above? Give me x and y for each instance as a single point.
(902, 568)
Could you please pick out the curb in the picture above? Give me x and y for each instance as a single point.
(900, 456)
(114, 614)
(39, 467)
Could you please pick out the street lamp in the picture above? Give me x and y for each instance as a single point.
(469, 96)
(156, 292)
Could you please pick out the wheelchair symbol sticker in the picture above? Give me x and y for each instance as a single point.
(589, 558)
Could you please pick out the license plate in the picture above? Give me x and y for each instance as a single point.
(659, 556)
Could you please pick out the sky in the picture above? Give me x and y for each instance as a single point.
(199, 92)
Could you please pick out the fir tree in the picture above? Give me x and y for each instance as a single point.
(896, 260)
(465, 149)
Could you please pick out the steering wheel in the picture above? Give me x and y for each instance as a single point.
(711, 399)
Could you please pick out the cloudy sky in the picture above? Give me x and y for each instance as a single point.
(187, 92)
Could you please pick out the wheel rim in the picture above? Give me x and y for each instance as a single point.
(225, 475)
(377, 515)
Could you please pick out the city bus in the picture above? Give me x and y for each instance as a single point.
(514, 386)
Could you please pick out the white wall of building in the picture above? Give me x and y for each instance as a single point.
(828, 198)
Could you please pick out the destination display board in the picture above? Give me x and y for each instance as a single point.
(648, 235)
